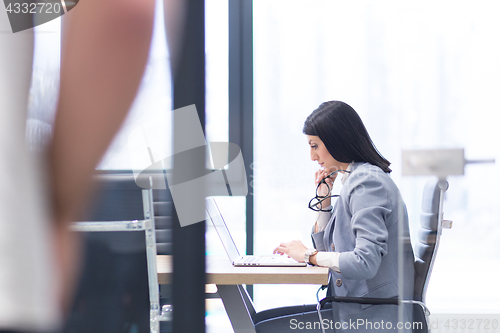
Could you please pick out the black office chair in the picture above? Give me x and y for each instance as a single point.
(429, 233)
(124, 260)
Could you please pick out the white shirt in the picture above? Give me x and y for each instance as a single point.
(329, 259)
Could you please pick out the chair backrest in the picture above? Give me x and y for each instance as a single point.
(118, 197)
(429, 233)
(163, 210)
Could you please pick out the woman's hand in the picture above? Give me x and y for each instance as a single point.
(323, 189)
(294, 249)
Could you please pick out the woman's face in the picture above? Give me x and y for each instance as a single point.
(320, 153)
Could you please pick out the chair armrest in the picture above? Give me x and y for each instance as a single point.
(366, 300)
(358, 300)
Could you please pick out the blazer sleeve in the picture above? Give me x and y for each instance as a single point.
(317, 240)
(369, 204)
(317, 237)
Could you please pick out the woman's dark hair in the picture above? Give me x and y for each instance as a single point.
(344, 135)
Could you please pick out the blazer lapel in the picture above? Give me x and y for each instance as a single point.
(328, 235)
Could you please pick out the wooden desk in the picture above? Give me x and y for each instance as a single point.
(238, 305)
(221, 272)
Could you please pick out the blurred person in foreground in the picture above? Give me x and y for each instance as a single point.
(105, 49)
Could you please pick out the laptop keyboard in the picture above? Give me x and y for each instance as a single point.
(251, 259)
(254, 260)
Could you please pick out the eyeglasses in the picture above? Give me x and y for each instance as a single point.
(316, 203)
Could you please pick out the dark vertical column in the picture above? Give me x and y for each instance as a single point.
(188, 287)
(241, 97)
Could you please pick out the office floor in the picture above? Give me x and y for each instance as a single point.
(216, 319)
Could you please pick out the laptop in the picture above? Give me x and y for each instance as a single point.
(231, 249)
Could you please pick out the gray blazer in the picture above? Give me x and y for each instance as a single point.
(363, 227)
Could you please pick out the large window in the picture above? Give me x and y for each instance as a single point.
(421, 75)
(149, 120)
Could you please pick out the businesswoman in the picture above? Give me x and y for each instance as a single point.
(357, 238)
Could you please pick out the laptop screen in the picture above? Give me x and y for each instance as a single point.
(221, 228)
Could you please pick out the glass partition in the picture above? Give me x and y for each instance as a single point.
(418, 78)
